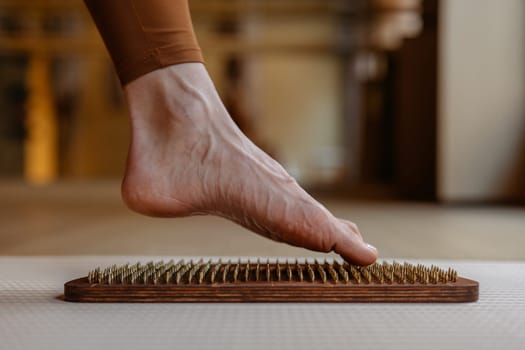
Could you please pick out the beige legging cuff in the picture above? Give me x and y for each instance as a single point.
(144, 35)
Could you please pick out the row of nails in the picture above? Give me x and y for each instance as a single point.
(219, 272)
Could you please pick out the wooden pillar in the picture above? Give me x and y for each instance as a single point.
(40, 148)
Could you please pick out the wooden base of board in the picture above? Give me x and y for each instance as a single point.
(463, 290)
(256, 281)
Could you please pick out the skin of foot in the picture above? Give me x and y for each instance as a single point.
(187, 157)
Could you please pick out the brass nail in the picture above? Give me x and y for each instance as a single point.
(180, 273)
(257, 271)
(299, 270)
(289, 271)
(225, 272)
(155, 278)
(203, 271)
(310, 271)
(194, 270)
(247, 272)
(236, 271)
(342, 271)
(333, 273)
(215, 269)
(365, 272)
(355, 273)
(321, 271)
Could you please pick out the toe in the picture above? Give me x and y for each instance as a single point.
(321, 231)
(348, 243)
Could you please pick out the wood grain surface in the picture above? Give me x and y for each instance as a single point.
(462, 290)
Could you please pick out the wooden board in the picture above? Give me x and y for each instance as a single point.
(255, 282)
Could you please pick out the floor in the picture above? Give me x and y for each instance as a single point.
(33, 316)
(90, 219)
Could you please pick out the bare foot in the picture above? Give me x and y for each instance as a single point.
(187, 157)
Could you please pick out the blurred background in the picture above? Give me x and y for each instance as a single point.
(405, 116)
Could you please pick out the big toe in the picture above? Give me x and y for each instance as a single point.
(349, 243)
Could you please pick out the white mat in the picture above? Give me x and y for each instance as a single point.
(32, 318)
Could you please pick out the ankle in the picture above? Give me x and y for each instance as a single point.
(181, 94)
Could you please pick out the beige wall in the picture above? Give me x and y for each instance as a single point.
(299, 96)
(293, 88)
(300, 111)
(481, 137)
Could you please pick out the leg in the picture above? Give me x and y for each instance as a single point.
(187, 157)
